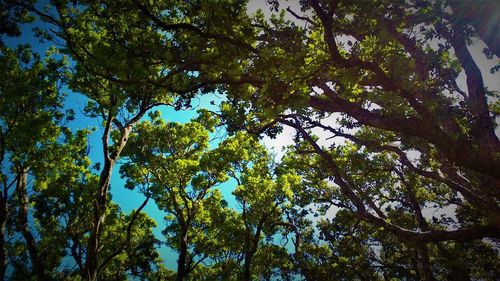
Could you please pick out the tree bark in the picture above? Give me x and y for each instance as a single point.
(100, 205)
(183, 257)
(422, 250)
(247, 273)
(101, 200)
(423, 256)
(22, 195)
(4, 209)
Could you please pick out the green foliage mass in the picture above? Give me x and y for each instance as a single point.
(392, 171)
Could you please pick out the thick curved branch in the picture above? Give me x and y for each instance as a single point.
(295, 15)
(464, 234)
(481, 198)
(456, 150)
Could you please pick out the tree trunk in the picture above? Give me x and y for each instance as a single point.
(4, 209)
(247, 274)
(425, 263)
(100, 205)
(422, 251)
(415, 265)
(22, 195)
(183, 256)
(101, 200)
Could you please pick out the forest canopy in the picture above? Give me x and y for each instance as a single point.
(391, 171)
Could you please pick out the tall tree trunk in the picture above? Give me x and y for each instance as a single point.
(22, 195)
(182, 262)
(251, 250)
(422, 251)
(421, 248)
(415, 265)
(423, 255)
(247, 274)
(101, 200)
(4, 209)
(100, 205)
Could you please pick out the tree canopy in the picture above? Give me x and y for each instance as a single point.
(392, 171)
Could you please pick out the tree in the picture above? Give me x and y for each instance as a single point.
(171, 164)
(62, 211)
(30, 101)
(415, 139)
(248, 242)
(47, 212)
(263, 197)
(343, 242)
(374, 63)
(124, 84)
(402, 159)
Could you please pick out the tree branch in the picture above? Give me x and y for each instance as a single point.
(126, 244)
(194, 29)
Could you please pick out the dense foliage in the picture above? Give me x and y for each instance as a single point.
(393, 173)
